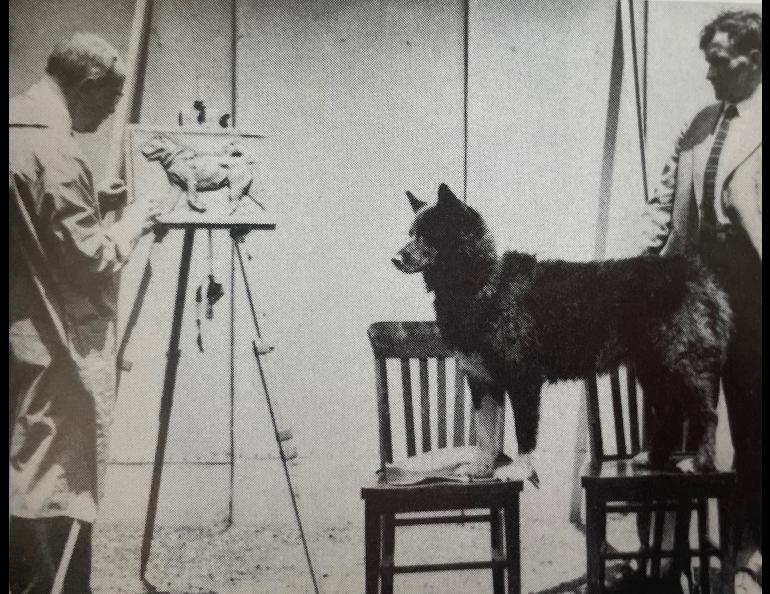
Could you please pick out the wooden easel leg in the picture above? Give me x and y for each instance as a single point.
(167, 398)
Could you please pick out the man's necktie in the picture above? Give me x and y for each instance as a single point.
(709, 177)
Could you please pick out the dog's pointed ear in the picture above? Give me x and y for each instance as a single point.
(415, 203)
(446, 196)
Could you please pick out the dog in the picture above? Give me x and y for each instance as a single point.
(515, 322)
(193, 172)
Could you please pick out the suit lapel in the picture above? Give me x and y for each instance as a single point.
(742, 141)
(700, 155)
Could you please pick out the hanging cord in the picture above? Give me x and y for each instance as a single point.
(233, 107)
(272, 416)
(231, 500)
(466, 52)
(214, 292)
(638, 97)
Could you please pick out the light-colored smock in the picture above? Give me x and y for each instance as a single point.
(60, 406)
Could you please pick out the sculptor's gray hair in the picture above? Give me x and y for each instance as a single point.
(83, 56)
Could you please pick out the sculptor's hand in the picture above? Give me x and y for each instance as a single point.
(143, 214)
(112, 195)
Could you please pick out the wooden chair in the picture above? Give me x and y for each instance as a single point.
(613, 485)
(385, 503)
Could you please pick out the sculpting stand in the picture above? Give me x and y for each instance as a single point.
(172, 365)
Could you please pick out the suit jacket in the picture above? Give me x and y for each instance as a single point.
(673, 212)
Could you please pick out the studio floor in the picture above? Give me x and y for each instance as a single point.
(262, 551)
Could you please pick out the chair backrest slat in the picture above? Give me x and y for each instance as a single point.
(383, 411)
(459, 433)
(425, 405)
(405, 341)
(441, 402)
(633, 410)
(594, 420)
(636, 406)
(472, 432)
(406, 388)
(617, 409)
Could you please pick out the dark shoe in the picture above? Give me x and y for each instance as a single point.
(624, 579)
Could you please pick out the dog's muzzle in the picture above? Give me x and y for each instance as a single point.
(405, 263)
(398, 263)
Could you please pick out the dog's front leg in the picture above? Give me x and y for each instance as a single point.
(487, 404)
(191, 175)
(525, 401)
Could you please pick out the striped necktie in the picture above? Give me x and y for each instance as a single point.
(709, 177)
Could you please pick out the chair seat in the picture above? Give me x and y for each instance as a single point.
(620, 479)
(440, 495)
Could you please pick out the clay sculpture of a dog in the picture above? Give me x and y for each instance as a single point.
(192, 172)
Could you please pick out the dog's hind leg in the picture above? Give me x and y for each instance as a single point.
(663, 415)
(703, 417)
(241, 186)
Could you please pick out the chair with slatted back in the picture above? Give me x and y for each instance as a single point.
(613, 485)
(495, 502)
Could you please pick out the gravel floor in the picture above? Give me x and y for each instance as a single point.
(252, 559)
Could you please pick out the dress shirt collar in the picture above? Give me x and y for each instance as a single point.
(751, 107)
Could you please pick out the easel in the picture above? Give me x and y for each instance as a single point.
(128, 110)
(237, 231)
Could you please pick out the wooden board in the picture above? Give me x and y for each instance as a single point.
(147, 178)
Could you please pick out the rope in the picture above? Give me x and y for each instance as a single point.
(233, 108)
(272, 417)
(638, 97)
(231, 501)
(466, 34)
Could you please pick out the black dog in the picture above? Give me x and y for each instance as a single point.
(515, 322)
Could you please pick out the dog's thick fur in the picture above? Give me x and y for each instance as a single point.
(516, 322)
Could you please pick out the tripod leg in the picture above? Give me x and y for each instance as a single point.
(257, 356)
(167, 398)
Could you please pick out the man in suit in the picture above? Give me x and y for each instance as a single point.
(709, 202)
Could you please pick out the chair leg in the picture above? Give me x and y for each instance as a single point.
(596, 527)
(643, 524)
(681, 561)
(657, 541)
(372, 536)
(727, 543)
(703, 543)
(496, 533)
(388, 551)
(512, 545)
